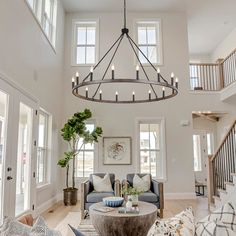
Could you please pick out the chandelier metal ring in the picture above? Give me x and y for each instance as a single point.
(109, 81)
(153, 94)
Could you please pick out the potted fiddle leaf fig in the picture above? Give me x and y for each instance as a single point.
(75, 133)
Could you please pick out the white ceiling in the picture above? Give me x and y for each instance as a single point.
(209, 21)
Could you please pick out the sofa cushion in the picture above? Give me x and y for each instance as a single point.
(148, 197)
(112, 179)
(142, 183)
(179, 225)
(102, 184)
(213, 228)
(98, 196)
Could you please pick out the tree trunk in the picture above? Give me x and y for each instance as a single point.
(67, 174)
(73, 165)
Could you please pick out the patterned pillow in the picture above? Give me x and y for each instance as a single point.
(179, 225)
(13, 227)
(226, 214)
(41, 229)
(213, 228)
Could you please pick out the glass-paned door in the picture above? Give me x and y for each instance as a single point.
(17, 151)
(23, 168)
(3, 121)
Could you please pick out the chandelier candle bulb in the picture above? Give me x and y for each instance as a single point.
(163, 92)
(73, 82)
(91, 73)
(158, 74)
(176, 82)
(117, 96)
(86, 92)
(100, 94)
(149, 94)
(113, 72)
(77, 77)
(172, 78)
(133, 96)
(137, 72)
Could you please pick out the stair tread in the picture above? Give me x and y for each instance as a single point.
(229, 183)
(216, 197)
(222, 190)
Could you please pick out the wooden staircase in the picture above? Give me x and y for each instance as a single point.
(222, 170)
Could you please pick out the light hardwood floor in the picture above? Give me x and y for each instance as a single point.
(172, 207)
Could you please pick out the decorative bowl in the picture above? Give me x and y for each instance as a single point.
(113, 201)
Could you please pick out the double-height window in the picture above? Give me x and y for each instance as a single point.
(45, 12)
(148, 34)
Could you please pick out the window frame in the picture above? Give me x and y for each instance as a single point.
(95, 151)
(159, 46)
(161, 122)
(37, 13)
(46, 149)
(84, 22)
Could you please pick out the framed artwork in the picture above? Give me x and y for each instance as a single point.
(117, 150)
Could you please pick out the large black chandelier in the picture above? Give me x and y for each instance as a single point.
(108, 89)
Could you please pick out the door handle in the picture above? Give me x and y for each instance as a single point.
(9, 178)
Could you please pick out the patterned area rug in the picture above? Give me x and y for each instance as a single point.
(73, 218)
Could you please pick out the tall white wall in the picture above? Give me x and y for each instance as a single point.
(225, 47)
(28, 60)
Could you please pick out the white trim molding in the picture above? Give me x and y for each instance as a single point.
(187, 195)
(46, 205)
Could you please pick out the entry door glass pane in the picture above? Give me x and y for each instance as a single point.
(23, 160)
(3, 119)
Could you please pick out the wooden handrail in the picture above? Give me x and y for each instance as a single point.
(203, 64)
(223, 141)
(234, 51)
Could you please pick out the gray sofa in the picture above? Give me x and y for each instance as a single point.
(89, 196)
(154, 196)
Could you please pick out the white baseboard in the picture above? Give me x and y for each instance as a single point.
(190, 195)
(46, 205)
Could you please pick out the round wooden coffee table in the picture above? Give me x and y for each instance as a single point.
(118, 224)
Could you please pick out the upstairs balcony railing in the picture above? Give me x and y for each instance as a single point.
(213, 76)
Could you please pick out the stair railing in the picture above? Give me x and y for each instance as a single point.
(222, 164)
(213, 76)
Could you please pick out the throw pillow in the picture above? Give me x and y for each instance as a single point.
(179, 225)
(142, 183)
(76, 231)
(102, 184)
(226, 214)
(41, 229)
(13, 227)
(213, 228)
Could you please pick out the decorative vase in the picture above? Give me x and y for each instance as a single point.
(129, 204)
(70, 196)
(134, 199)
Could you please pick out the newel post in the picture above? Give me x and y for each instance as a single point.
(210, 180)
(221, 72)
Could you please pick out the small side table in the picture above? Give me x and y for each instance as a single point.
(199, 187)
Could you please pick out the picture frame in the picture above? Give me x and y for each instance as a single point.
(117, 150)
